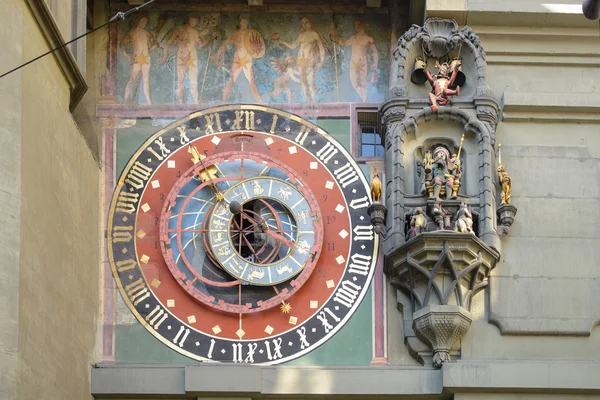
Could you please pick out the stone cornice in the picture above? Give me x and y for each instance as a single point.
(254, 382)
(65, 60)
(550, 107)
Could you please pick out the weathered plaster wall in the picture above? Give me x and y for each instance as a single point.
(58, 267)
(11, 30)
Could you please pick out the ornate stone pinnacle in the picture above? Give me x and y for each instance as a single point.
(506, 217)
(441, 327)
(377, 212)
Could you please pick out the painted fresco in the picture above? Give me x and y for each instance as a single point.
(189, 58)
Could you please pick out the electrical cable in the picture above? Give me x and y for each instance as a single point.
(119, 16)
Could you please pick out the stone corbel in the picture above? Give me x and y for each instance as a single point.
(439, 273)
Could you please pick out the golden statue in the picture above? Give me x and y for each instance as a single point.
(376, 186)
(504, 179)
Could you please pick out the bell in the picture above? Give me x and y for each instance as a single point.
(591, 9)
(461, 79)
(418, 76)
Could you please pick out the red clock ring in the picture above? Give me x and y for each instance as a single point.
(180, 277)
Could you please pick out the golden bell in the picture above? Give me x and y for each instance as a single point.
(461, 79)
(418, 76)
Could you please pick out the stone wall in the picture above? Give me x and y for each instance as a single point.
(11, 30)
(50, 236)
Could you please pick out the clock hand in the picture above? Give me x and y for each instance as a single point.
(281, 238)
(206, 174)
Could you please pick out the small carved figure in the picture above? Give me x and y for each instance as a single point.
(438, 215)
(456, 170)
(417, 223)
(504, 179)
(441, 84)
(505, 183)
(376, 186)
(464, 219)
(427, 162)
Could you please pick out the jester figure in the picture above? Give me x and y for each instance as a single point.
(441, 84)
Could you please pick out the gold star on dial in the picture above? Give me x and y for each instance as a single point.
(285, 307)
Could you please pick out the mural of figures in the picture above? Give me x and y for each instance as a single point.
(228, 57)
(143, 43)
(249, 44)
(311, 57)
(187, 37)
(361, 43)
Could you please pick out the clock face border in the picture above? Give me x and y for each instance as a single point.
(330, 154)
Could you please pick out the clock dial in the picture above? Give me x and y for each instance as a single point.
(241, 234)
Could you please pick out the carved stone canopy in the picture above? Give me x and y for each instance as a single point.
(439, 272)
(441, 268)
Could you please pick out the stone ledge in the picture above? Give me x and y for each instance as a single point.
(520, 376)
(466, 376)
(550, 107)
(64, 59)
(178, 381)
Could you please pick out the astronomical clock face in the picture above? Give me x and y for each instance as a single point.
(241, 234)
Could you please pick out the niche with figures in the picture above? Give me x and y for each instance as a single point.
(441, 175)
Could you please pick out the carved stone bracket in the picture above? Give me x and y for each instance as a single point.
(506, 217)
(439, 273)
(441, 327)
(377, 211)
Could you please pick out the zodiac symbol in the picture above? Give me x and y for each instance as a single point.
(224, 251)
(240, 195)
(284, 268)
(303, 215)
(303, 247)
(233, 266)
(219, 237)
(221, 209)
(219, 224)
(256, 274)
(284, 193)
(258, 190)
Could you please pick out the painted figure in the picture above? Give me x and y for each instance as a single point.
(282, 82)
(187, 37)
(249, 44)
(464, 219)
(361, 43)
(143, 44)
(311, 48)
(440, 170)
(441, 84)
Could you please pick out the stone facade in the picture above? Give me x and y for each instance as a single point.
(505, 312)
(50, 218)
